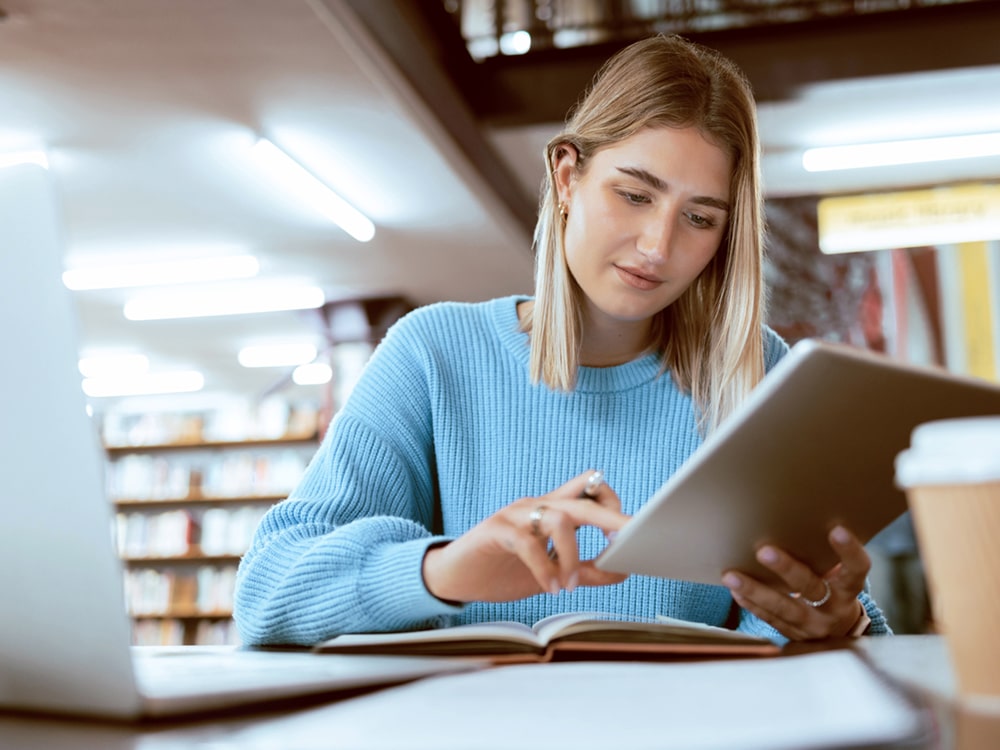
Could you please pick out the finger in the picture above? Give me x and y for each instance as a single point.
(800, 578)
(591, 575)
(565, 549)
(595, 482)
(592, 485)
(592, 514)
(792, 630)
(774, 606)
(531, 550)
(548, 521)
(850, 574)
(580, 514)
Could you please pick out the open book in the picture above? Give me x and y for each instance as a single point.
(568, 635)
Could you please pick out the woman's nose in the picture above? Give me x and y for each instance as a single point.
(655, 239)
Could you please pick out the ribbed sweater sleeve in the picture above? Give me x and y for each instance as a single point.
(344, 552)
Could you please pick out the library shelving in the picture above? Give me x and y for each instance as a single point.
(187, 498)
(190, 486)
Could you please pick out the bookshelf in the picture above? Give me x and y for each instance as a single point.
(188, 493)
(189, 487)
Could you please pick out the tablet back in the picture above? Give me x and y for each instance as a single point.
(813, 447)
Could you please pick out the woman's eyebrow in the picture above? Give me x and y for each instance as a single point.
(706, 200)
(659, 185)
(648, 177)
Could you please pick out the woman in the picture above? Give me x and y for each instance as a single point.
(448, 487)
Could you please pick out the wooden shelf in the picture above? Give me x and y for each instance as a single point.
(118, 450)
(190, 559)
(182, 614)
(195, 500)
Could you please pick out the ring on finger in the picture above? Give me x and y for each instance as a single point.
(814, 602)
(594, 483)
(536, 519)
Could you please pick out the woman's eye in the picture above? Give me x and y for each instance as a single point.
(701, 221)
(635, 198)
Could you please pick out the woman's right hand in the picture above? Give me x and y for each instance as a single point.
(505, 557)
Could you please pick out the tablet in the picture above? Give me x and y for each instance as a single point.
(812, 447)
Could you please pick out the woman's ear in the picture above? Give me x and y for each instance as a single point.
(564, 160)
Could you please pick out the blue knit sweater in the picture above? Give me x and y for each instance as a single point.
(444, 428)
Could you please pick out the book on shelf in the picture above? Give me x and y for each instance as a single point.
(203, 592)
(561, 636)
(273, 418)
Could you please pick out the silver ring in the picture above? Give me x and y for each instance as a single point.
(814, 602)
(536, 519)
(594, 483)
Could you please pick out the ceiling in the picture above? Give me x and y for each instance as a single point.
(147, 110)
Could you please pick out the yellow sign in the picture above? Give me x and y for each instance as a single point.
(974, 274)
(915, 218)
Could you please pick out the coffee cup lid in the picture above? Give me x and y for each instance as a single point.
(951, 451)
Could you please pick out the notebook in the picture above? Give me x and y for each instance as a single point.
(813, 447)
(64, 633)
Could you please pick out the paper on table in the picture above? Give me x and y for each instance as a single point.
(817, 700)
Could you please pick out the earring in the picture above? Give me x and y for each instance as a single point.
(563, 211)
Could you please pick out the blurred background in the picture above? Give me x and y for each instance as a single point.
(250, 191)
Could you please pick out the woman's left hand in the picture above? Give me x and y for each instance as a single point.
(821, 605)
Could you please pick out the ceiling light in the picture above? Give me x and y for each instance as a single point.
(315, 373)
(145, 384)
(111, 365)
(515, 43)
(276, 355)
(299, 183)
(162, 273)
(16, 158)
(241, 300)
(891, 153)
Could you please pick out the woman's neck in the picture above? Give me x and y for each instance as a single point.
(607, 346)
(606, 343)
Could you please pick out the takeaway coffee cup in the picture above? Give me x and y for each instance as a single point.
(951, 476)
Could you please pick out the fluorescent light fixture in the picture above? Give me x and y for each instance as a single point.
(315, 373)
(162, 273)
(16, 158)
(113, 365)
(235, 300)
(276, 355)
(146, 384)
(892, 153)
(300, 184)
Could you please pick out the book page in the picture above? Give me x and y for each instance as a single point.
(659, 629)
(555, 625)
(823, 700)
(474, 635)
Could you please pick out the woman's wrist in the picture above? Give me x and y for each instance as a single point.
(861, 624)
(431, 556)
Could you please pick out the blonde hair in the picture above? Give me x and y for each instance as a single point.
(711, 337)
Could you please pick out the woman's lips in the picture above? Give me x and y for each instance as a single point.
(636, 279)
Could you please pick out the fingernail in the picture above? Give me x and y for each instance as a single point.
(840, 535)
(767, 555)
(574, 580)
(554, 587)
(730, 580)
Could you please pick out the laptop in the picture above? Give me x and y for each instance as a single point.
(64, 632)
(814, 446)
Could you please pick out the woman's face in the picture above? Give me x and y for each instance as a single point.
(645, 218)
